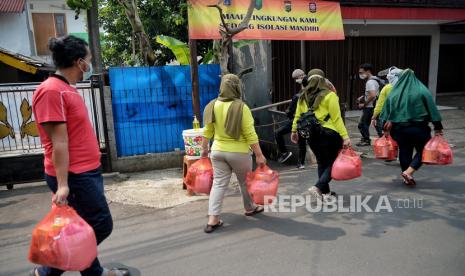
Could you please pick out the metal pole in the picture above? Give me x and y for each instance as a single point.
(270, 105)
(94, 37)
(303, 64)
(194, 78)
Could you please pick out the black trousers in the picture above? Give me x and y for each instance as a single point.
(364, 123)
(326, 147)
(279, 136)
(410, 138)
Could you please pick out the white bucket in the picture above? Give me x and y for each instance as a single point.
(193, 142)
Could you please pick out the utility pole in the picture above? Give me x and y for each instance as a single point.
(194, 78)
(94, 37)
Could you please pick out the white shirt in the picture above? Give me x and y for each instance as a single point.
(371, 85)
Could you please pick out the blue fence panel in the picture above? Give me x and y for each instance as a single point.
(153, 105)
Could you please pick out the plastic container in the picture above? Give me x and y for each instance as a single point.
(193, 142)
(261, 183)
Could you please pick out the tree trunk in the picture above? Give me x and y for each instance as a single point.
(195, 78)
(94, 37)
(131, 11)
(227, 34)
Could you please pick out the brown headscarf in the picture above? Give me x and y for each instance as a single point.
(316, 89)
(230, 91)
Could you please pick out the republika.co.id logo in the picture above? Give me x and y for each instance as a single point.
(340, 204)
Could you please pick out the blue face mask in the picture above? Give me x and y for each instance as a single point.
(87, 74)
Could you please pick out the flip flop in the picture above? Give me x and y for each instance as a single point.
(408, 180)
(210, 228)
(257, 210)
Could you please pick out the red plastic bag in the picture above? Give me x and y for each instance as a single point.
(261, 183)
(63, 240)
(199, 177)
(347, 165)
(437, 152)
(386, 148)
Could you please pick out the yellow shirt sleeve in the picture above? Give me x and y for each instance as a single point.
(209, 131)
(301, 108)
(335, 113)
(382, 99)
(248, 129)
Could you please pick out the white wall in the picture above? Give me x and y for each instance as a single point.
(14, 33)
(402, 28)
(58, 6)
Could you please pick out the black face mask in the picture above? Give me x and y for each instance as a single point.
(304, 82)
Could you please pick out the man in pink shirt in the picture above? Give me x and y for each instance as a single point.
(72, 155)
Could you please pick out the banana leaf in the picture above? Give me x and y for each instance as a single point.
(179, 48)
(208, 58)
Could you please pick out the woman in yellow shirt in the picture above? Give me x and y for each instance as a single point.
(392, 74)
(326, 145)
(229, 122)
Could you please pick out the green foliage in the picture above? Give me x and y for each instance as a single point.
(159, 17)
(244, 42)
(179, 48)
(78, 5)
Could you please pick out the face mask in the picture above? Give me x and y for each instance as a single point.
(362, 76)
(299, 81)
(87, 74)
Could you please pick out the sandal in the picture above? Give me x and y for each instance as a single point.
(255, 211)
(408, 180)
(210, 228)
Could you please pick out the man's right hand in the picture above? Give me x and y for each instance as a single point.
(60, 197)
(294, 137)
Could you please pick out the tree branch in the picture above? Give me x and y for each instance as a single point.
(223, 23)
(245, 22)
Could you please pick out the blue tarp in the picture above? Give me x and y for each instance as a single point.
(153, 105)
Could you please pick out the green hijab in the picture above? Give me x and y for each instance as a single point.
(316, 89)
(410, 101)
(230, 91)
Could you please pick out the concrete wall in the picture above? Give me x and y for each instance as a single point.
(257, 85)
(146, 162)
(14, 33)
(359, 28)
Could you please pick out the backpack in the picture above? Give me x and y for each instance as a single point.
(381, 84)
(309, 126)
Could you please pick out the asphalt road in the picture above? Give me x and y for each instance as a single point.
(421, 240)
